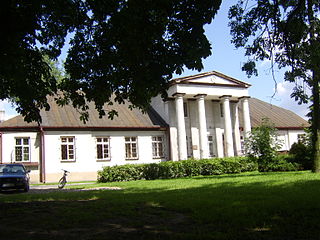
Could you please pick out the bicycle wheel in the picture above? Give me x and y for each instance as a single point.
(62, 182)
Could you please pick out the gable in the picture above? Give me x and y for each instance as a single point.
(211, 78)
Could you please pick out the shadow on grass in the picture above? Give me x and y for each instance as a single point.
(226, 210)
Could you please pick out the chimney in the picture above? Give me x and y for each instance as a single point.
(2, 115)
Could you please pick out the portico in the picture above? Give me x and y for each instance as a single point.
(203, 114)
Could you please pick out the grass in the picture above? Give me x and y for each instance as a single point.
(239, 206)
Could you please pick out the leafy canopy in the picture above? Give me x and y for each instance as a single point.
(286, 33)
(129, 48)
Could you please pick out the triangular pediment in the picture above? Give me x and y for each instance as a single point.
(210, 78)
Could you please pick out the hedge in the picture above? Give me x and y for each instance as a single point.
(282, 163)
(170, 169)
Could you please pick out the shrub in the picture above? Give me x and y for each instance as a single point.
(281, 163)
(167, 170)
(301, 153)
(262, 144)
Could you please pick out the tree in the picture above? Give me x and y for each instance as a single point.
(262, 144)
(287, 34)
(128, 49)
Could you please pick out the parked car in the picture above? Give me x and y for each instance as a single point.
(14, 177)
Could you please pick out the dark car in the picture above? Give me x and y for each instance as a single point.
(14, 177)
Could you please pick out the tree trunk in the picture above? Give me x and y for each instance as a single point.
(316, 122)
(314, 63)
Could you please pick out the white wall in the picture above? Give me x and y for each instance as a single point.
(288, 137)
(86, 165)
(8, 150)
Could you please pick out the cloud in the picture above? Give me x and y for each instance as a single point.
(283, 92)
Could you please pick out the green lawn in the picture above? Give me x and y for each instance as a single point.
(239, 206)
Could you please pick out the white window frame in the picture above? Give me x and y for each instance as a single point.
(70, 147)
(104, 142)
(157, 146)
(131, 148)
(23, 147)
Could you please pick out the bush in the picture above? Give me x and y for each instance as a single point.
(281, 163)
(301, 154)
(262, 144)
(167, 170)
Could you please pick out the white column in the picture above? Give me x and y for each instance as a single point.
(227, 126)
(246, 117)
(182, 142)
(236, 129)
(204, 151)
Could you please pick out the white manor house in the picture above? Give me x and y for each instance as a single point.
(205, 115)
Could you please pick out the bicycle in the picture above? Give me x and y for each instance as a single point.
(63, 179)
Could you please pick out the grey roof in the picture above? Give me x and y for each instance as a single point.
(68, 117)
(280, 117)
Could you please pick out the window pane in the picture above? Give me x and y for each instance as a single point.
(128, 152)
(70, 139)
(99, 139)
(99, 151)
(64, 152)
(18, 141)
(18, 153)
(160, 150)
(154, 149)
(26, 156)
(63, 139)
(26, 141)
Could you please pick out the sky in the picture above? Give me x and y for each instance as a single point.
(228, 60)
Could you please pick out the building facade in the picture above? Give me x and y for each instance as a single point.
(206, 115)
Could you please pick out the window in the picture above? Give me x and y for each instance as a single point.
(157, 147)
(301, 138)
(210, 143)
(22, 150)
(185, 109)
(67, 149)
(131, 144)
(221, 110)
(103, 148)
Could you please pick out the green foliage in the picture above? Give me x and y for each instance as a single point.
(127, 48)
(262, 144)
(281, 163)
(170, 169)
(286, 34)
(301, 153)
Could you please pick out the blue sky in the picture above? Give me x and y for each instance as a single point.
(228, 60)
